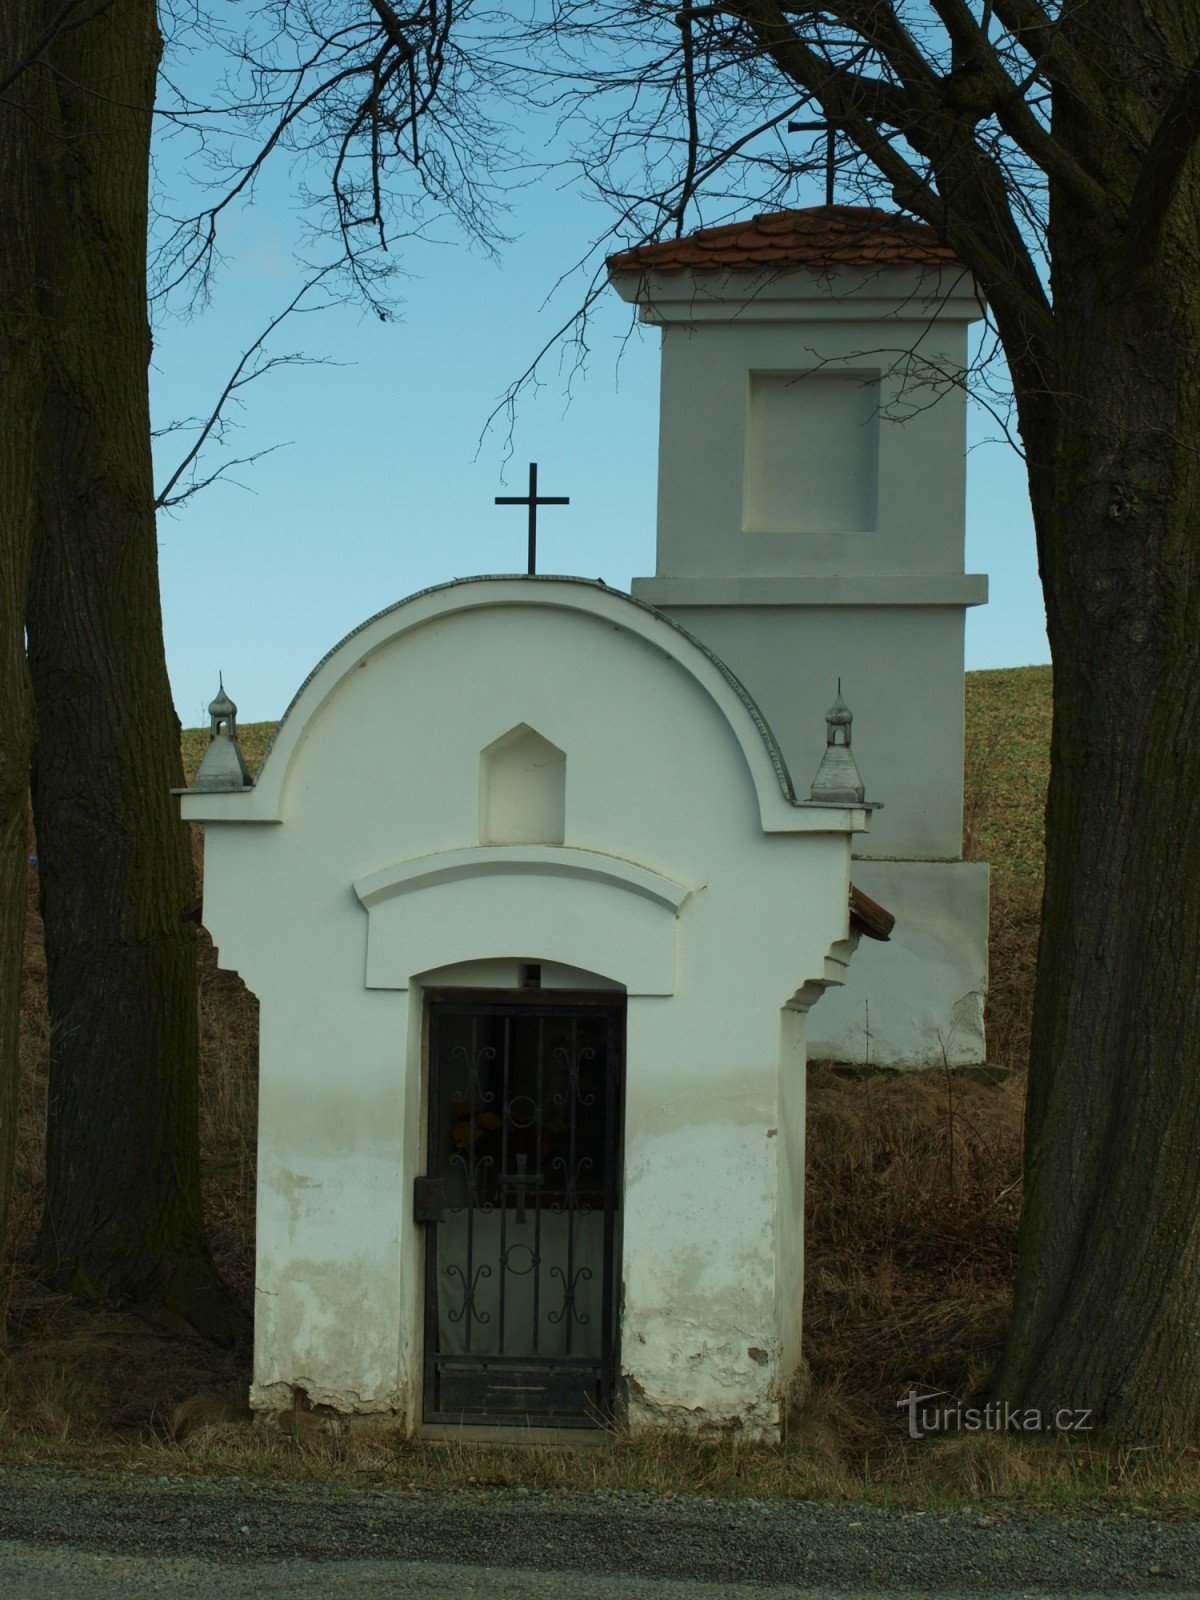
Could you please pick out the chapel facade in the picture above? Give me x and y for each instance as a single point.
(535, 917)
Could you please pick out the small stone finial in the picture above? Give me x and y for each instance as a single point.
(837, 781)
(222, 710)
(224, 766)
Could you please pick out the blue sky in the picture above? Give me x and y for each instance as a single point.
(383, 486)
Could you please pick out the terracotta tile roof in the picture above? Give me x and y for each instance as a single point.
(819, 236)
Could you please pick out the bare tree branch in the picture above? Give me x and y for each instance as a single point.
(693, 121)
(246, 371)
(218, 475)
(978, 223)
(1040, 36)
(363, 91)
(981, 87)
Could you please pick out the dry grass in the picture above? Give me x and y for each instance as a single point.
(816, 1462)
(911, 1234)
(912, 1208)
(1006, 772)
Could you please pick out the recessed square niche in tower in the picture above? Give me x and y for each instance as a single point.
(812, 452)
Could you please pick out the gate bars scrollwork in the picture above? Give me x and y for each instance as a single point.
(525, 1103)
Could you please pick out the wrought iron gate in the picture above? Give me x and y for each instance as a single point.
(521, 1202)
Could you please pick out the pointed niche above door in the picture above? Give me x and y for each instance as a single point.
(522, 789)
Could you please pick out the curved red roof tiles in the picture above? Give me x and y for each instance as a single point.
(816, 237)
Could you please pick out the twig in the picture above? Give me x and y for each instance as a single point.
(238, 379)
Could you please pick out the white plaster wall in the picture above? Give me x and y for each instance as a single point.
(789, 1148)
(906, 324)
(921, 486)
(334, 1153)
(700, 1279)
(381, 768)
(811, 459)
(713, 1252)
(916, 1001)
(901, 670)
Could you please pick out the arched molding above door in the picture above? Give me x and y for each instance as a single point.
(579, 908)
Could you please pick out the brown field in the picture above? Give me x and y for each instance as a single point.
(913, 1202)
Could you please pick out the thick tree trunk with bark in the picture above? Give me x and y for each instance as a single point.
(123, 1216)
(1107, 1308)
(1107, 1314)
(20, 404)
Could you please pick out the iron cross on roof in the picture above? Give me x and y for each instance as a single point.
(533, 500)
(827, 128)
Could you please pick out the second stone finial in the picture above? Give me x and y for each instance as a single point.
(837, 781)
(224, 766)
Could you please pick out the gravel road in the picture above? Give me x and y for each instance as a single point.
(70, 1535)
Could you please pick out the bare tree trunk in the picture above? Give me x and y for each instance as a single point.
(20, 386)
(123, 1214)
(1107, 1289)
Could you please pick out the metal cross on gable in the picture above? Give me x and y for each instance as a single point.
(827, 128)
(533, 500)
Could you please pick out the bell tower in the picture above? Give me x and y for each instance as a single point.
(811, 524)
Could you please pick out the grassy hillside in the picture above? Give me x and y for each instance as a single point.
(912, 1204)
(254, 737)
(1007, 767)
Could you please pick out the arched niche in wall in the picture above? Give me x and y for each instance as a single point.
(522, 789)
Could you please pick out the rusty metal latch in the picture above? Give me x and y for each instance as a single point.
(429, 1199)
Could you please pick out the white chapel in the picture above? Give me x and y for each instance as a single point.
(546, 890)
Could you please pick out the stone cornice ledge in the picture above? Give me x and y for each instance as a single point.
(560, 861)
(821, 589)
(907, 292)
